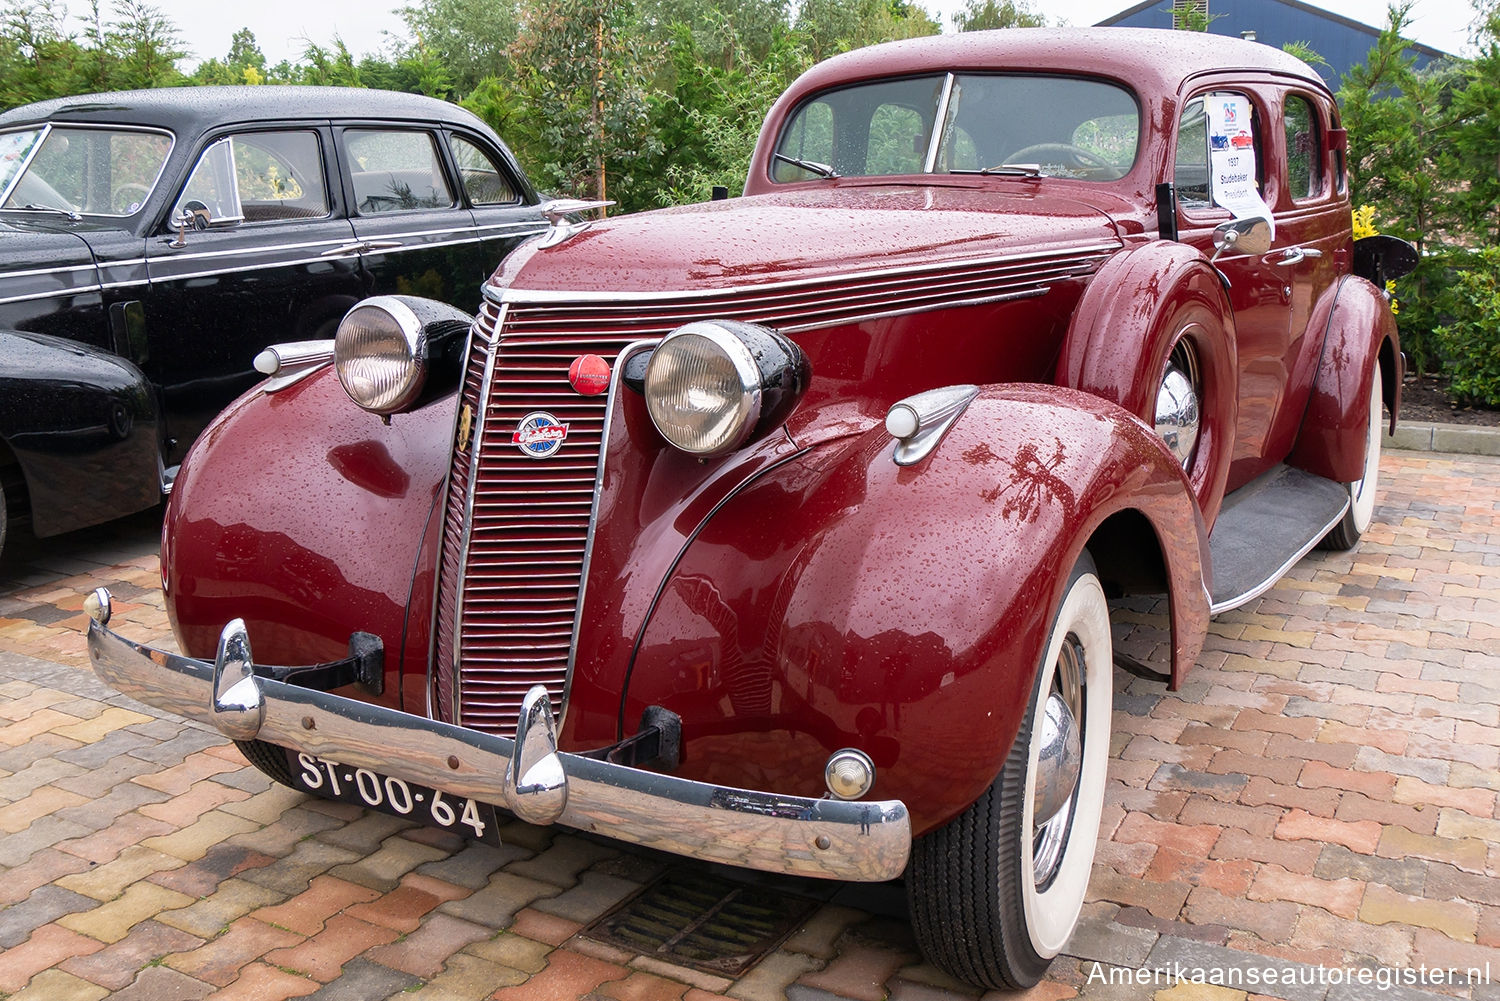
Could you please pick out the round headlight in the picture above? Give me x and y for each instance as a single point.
(703, 389)
(380, 353)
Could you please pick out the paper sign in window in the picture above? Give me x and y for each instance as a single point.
(1231, 158)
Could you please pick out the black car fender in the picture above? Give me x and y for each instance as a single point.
(81, 424)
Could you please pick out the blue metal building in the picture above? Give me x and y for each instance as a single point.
(1340, 40)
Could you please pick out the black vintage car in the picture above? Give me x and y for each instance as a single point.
(153, 242)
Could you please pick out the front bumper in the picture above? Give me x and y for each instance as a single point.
(827, 838)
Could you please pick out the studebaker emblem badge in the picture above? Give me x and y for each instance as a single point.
(539, 434)
(465, 426)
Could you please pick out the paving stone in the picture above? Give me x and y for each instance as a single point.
(202, 877)
(218, 962)
(562, 861)
(543, 927)
(817, 935)
(1337, 862)
(37, 871)
(324, 955)
(309, 911)
(769, 980)
(363, 980)
(404, 908)
(273, 804)
(470, 977)
(1341, 896)
(1457, 919)
(112, 921)
(233, 899)
(47, 946)
(1360, 836)
(594, 894)
(262, 982)
(192, 842)
(292, 874)
(105, 811)
(1172, 776)
(46, 904)
(98, 753)
(424, 952)
(55, 985)
(162, 983)
(281, 837)
(1098, 938)
(367, 834)
(108, 881)
(115, 966)
(383, 869)
(496, 905)
(473, 865)
(1398, 843)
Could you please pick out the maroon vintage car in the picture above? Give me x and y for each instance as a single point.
(780, 530)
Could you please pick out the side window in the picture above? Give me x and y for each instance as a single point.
(1304, 150)
(395, 171)
(483, 180)
(1190, 171)
(258, 177)
(1215, 126)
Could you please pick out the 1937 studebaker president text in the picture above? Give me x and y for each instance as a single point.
(779, 530)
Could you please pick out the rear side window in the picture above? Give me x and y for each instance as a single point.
(395, 171)
(483, 180)
(1304, 149)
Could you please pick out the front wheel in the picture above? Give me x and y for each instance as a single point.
(996, 894)
(1346, 534)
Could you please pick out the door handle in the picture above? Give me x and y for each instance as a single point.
(361, 247)
(1295, 255)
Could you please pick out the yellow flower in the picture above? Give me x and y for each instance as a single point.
(1364, 222)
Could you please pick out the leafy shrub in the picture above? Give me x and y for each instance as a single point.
(1470, 342)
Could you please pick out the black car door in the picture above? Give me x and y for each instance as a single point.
(265, 255)
(504, 212)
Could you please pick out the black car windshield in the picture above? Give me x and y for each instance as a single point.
(83, 171)
(1027, 125)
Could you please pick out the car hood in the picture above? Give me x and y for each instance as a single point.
(807, 234)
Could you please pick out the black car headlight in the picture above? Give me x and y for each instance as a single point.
(386, 345)
(712, 386)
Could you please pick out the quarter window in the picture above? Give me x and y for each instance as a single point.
(483, 180)
(1304, 151)
(395, 171)
(257, 177)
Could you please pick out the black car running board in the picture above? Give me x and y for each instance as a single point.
(1265, 527)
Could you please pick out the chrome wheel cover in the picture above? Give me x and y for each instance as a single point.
(1179, 414)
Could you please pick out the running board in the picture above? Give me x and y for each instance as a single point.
(1265, 527)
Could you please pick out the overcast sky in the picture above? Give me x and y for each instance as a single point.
(283, 27)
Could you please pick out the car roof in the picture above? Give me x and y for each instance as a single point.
(188, 111)
(1155, 61)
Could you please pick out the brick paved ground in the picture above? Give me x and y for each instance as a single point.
(1323, 791)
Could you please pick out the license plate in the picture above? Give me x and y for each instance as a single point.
(397, 797)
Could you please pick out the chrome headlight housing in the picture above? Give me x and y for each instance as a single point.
(385, 346)
(712, 386)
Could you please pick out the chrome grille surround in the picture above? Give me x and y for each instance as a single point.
(508, 613)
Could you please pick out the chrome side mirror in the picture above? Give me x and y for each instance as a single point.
(1248, 236)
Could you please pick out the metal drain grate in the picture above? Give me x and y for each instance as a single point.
(703, 922)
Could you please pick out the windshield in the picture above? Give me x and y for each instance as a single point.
(1033, 125)
(108, 172)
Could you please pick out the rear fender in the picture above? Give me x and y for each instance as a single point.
(842, 600)
(306, 516)
(1134, 311)
(82, 425)
(1361, 334)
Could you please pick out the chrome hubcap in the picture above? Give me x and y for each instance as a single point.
(1178, 413)
(1059, 764)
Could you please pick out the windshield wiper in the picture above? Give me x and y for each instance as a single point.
(1030, 170)
(811, 166)
(72, 215)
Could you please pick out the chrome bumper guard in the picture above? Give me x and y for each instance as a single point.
(828, 838)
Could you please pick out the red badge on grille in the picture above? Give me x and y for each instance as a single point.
(589, 375)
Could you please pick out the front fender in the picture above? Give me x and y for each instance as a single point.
(82, 425)
(305, 516)
(842, 600)
(1361, 334)
(1135, 310)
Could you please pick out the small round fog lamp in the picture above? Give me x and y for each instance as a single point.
(849, 773)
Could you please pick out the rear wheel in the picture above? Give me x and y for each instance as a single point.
(996, 894)
(1346, 534)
